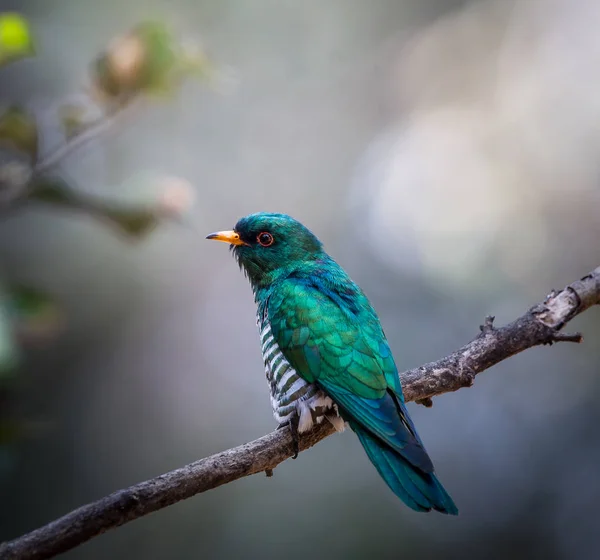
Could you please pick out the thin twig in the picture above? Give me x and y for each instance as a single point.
(89, 131)
(92, 130)
(538, 326)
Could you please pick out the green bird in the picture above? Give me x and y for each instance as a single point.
(326, 355)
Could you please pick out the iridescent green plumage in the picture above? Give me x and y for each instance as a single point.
(326, 329)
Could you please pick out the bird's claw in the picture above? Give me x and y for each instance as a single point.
(292, 424)
(295, 437)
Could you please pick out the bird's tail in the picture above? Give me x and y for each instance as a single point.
(419, 490)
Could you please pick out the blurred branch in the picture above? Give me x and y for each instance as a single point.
(24, 189)
(134, 220)
(540, 325)
(149, 61)
(92, 130)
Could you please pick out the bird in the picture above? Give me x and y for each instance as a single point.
(326, 356)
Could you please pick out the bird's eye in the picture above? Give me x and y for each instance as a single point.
(265, 239)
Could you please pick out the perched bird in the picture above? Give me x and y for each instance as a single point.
(326, 355)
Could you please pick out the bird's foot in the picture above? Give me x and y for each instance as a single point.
(295, 436)
(292, 424)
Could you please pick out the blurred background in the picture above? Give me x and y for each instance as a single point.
(446, 152)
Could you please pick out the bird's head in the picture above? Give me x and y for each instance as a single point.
(269, 245)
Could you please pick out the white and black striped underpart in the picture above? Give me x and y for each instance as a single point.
(290, 394)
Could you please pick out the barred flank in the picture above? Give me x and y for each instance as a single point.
(287, 387)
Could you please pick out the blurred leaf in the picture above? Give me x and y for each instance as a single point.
(14, 175)
(73, 118)
(54, 191)
(162, 56)
(109, 79)
(133, 220)
(15, 38)
(148, 59)
(142, 59)
(194, 61)
(36, 316)
(9, 354)
(18, 130)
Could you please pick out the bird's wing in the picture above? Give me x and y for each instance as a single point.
(344, 351)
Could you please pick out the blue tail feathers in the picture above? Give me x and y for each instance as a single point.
(419, 490)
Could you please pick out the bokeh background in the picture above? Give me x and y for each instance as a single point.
(447, 154)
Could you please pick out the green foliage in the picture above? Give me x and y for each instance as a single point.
(18, 130)
(135, 220)
(35, 315)
(54, 191)
(148, 59)
(26, 315)
(15, 38)
(73, 119)
(160, 63)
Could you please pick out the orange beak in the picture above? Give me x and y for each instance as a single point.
(231, 237)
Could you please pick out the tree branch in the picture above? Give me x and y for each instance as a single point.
(540, 325)
(22, 189)
(89, 131)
